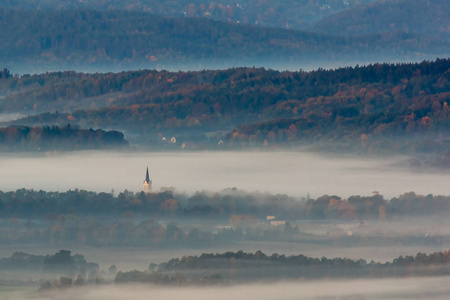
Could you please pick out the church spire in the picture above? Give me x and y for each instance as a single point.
(147, 183)
(147, 177)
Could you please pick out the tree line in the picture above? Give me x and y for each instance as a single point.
(225, 268)
(158, 220)
(52, 138)
(74, 268)
(25, 203)
(232, 267)
(62, 262)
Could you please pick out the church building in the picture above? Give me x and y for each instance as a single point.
(147, 183)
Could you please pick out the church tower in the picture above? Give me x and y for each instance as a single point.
(147, 183)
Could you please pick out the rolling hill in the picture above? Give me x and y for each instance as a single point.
(379, 108)
(427, 18)
(275, 13)
(40, 40)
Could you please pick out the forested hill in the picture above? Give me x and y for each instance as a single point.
(233, 267)
(429, 18)
(119, 39)
(23, 138)
(274, 13)
(367, 108)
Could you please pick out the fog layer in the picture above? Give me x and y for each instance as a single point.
(293, 173)
(407, 288)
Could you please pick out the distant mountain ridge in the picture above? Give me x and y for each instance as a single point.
(274, 13)
(426, 17)
(132, 40)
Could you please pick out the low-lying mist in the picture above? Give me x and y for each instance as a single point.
(289, 64)
(405, 288)
(10, 116)
(292, 173)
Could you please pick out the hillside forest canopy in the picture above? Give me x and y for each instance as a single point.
(376, 109)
